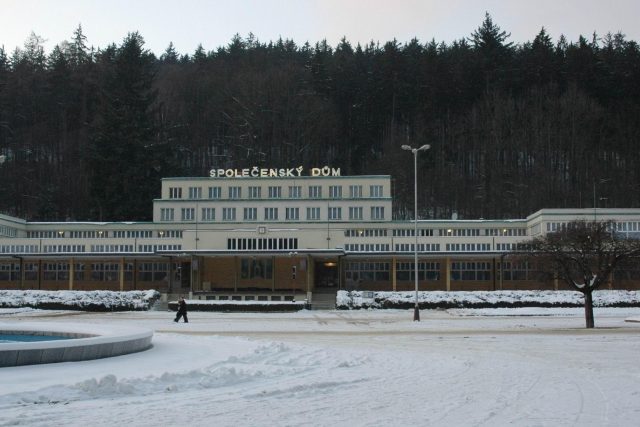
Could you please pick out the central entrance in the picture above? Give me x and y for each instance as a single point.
(326, 274)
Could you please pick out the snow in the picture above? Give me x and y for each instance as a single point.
(79, 300)
(368, 299)
(491, 367)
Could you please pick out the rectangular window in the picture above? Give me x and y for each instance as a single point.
(255, 192)
(166, 214)
(215, 192)
(377, 212)
(293, 214)
(208, 214)
(175, 193)
(295, 192)
(335, 191)
(470, 271)
(187, 214)
(250, 214)
(235, 192)
(313, 214)
(405, 271)
(256, 268)
(357, 272)
(355, 191)
(195, 192)
(335, 213)
(228, 214)
(355, 213)
(275, 192)
(375, 191)
(315, 192)
(270, 214)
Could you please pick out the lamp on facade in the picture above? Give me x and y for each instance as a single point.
(416, 311)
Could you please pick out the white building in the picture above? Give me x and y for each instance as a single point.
(281, 234)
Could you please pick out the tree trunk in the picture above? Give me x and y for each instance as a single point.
(588, 308)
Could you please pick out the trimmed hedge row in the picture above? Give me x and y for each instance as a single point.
(93, 301)
(356, 300)
(231, 307)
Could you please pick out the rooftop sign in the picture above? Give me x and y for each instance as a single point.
(256, 172)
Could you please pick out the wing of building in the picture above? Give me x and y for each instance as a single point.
(281, 235)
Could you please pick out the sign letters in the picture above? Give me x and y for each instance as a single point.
(256, 172)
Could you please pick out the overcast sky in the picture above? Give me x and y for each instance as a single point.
(214, 22)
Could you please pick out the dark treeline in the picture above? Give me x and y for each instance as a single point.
(87, 134)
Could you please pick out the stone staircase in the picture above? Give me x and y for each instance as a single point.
(324, 300)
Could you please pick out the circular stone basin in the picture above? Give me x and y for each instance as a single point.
(79, 342)
(20, 337)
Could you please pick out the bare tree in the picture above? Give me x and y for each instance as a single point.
(584, 255)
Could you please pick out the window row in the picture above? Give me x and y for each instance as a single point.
(276, 192)
(19, 249)
(103, 234)
(366, 247)
(269, 214)
(8, 231)
(366, 232)
(261, 244)
(422, 247)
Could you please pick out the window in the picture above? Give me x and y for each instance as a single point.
(375, 191)
(377, 212)
(315, 192)
(215, 192)
(470, 271)
(275, 192)
(335, 192)
(208, 214)
(292, 214)
(175, 193)
(355, 191)
(250, 214)
(105, 272)
(195, 192)
(261, 244)
(355, 272)
(313, 214)
(335, 213)
(228, 214)
(255, 192)
(355, 213)
(270, 214)
(153, 271)
(256, 268)
(426, 271)
(235, 192)
(166, 214)
(188, 214)
(295, 192)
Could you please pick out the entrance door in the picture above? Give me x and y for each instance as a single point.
(326, 274)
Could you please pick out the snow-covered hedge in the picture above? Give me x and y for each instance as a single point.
(79, 300)
(482, 299)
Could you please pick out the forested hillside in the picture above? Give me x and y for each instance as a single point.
(87, 133)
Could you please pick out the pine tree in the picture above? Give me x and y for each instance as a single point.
(125, 169)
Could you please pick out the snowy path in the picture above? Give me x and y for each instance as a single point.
(342, 368)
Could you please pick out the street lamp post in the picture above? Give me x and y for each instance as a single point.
(416, 310)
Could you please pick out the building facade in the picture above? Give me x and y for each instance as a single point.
(278, 234)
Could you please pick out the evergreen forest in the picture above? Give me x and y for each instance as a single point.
(87, 133)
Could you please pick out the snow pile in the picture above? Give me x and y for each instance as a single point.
(79, 300)
(483, 299)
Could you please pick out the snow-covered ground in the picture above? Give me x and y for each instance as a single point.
(491, 367)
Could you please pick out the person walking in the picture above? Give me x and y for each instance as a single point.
(182, 311)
